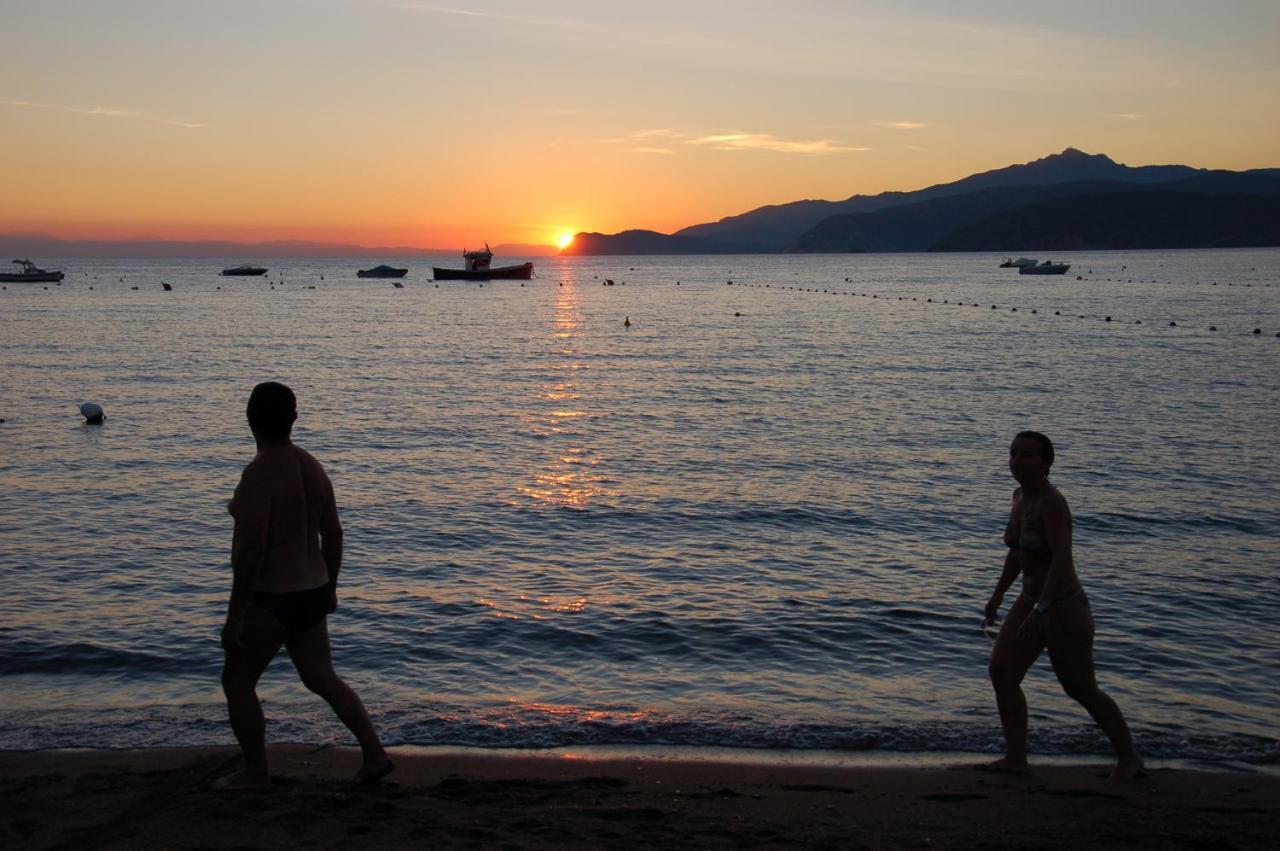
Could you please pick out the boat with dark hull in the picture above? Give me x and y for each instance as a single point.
(383, 271)
(243, 271)
(478, 269)
(1048, 267)
(30, 273)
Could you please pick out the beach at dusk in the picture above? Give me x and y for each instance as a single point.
(592, 800)
(571, 425)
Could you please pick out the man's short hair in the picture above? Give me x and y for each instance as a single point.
(1046, 445)
(272, 410)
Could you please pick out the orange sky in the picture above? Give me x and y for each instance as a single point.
(404, 123)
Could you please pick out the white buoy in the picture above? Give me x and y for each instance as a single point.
(92, 413)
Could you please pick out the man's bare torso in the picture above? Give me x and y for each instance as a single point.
(282, 505)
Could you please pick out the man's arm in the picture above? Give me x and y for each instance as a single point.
(251, 507)
(331, 534)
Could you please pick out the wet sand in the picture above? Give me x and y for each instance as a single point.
(475, 799)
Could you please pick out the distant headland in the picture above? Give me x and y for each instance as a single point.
(1068, 201)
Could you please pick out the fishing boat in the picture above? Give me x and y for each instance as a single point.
(1048, 267)
(31, 273)
(243, 271)
(478, 269)
(1017, 264)
(383, 271)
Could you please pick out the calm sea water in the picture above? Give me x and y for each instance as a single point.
(767, 514)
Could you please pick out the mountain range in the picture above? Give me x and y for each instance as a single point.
(1020, 207)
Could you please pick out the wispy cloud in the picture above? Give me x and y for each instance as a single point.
(1125, 116)
(489, 16)
(731, 141)
(903, 125)
(105, 112)
(645, 135)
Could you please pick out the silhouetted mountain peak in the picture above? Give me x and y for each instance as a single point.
(1076, 155)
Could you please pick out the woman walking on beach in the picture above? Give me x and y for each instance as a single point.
(1051, 612)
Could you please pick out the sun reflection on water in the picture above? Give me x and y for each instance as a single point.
(537, 609)
(569, 478)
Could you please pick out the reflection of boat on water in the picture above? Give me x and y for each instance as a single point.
(1048, 267)
(31, 273)
(478, 269)
(243, 271)
(383, 271)
(1020, 263)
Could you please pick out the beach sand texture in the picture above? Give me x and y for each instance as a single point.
(162, 798)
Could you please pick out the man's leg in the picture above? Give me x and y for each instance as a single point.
(311, 655)
(241, 669)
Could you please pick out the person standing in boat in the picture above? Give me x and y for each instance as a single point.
(1052, 612)
(286, 552)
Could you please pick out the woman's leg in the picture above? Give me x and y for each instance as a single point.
(1011, 658)
(1069, 637)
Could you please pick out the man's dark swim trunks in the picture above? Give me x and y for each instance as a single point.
(297, 610)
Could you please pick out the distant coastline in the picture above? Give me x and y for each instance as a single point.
(45, 246)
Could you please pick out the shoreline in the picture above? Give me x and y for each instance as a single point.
(601, 797)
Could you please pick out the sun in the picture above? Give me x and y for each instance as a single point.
(565, 240)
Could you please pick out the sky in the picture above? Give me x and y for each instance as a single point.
(441, 124)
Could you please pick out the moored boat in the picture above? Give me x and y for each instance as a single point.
(382, 271)
(242, 271)
(31, 273)
(1048, 267)
(478, 269)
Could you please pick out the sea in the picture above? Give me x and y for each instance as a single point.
(744, 502)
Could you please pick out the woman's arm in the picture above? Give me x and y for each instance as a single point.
(1012, 567)
(1012, 561)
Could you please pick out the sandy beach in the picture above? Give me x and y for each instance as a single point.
(473, 799)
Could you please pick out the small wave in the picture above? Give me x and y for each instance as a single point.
(1154, 525)
(92, 659)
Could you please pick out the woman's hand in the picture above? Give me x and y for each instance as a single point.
(993, 608)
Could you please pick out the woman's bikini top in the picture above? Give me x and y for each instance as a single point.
(1033, 544)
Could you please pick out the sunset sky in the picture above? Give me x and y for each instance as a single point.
(436, 125)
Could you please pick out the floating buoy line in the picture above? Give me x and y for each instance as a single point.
(818, 290)
(1255, 331)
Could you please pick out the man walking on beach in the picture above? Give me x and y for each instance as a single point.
(286, 552)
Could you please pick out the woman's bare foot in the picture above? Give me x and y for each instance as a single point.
(1128, 768)
(373, 772)
(1006, 766)
(242, 780)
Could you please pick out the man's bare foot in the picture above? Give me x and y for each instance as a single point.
(1127, 769)
(1006, 766)
(373, 772)
(242, 780)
